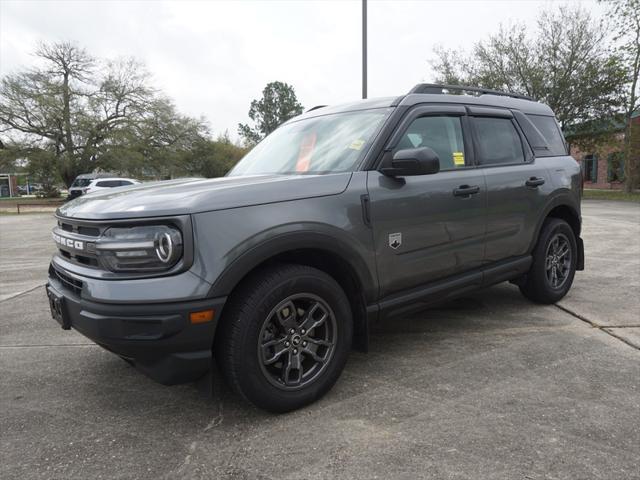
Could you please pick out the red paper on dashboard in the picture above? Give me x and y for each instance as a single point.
(306, 152)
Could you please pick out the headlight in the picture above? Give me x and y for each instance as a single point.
(151, 248)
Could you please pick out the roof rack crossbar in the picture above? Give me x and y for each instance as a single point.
(438, 89)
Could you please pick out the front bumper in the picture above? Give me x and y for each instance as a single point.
(158, 338)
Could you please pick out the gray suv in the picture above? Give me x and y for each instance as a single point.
(342, 216)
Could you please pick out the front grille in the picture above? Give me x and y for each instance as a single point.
(89, 231)
(74, 227)
(78, 258)
(67, 281)
(85, 231)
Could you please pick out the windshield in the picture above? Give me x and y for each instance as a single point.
(325, 144)
(81, 182)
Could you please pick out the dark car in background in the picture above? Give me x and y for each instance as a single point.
(342, 216)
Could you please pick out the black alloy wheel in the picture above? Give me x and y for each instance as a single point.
(284, 336)
(558, 260)
(297, 341)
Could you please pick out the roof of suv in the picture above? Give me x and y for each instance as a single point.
(101, 179)
(494, 99)
(93, 176)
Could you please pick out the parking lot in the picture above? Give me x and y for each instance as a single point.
(487, 386)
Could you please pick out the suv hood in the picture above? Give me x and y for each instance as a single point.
(187, 196)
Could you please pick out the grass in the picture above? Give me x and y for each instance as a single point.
(12, 201)
(611, 195)
(22, 214)
(30, 199)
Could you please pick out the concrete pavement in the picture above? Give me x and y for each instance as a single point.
(25, 246)
(487, 386)
(607, 293)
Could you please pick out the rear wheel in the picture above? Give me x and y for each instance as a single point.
(285, 337)
(554, 263)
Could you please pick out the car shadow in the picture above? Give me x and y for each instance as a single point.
(426, 337)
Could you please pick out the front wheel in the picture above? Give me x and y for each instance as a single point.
(554, 263)
(285, 337)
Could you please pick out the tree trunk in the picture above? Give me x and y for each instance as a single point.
(68, 156)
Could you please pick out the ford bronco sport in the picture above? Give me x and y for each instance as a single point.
(341, 216)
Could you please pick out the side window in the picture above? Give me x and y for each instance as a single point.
(498, 141)
(124, 183)
(441, 134)
(108, 183)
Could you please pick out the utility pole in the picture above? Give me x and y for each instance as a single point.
(364, 48)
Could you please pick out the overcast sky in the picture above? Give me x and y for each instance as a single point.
(213, 58)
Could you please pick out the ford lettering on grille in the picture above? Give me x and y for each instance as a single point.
(68, 242)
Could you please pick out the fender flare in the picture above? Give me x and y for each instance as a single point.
(560, 199)
(251, 256)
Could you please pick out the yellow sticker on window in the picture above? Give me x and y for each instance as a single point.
(458, 159)
(357, 144)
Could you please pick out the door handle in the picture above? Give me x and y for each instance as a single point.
(534, 182)
(466, 190)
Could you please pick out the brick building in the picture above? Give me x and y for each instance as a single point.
(603, 165)
(8, 185)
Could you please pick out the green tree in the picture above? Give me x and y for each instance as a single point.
(155, 146)
(277, 105)
(84, 110)
(565, 62)
(8, 156)
(625, 19)
(212, 158)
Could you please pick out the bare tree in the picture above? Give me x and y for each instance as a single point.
(78, 108)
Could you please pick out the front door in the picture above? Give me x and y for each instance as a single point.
(428, 227)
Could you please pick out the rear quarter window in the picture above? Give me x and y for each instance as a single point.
(550, 130)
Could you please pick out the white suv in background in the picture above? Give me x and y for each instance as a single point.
(97, 184)
(103, 183)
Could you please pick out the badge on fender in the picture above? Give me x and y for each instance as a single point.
(395, 240)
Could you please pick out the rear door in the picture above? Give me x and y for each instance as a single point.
(428, 227)
(517, 185)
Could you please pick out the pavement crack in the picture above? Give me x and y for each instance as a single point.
(24, 292)
(602, 328)
(622, 339)
(218, 419)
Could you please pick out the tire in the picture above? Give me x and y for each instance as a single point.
(539, 285)
(258, 352)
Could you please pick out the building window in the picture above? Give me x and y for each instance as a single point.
(615, 167)
(590, 166)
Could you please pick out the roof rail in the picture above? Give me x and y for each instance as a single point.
(439, 89)
(315, 108)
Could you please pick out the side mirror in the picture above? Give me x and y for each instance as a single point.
(413, 161)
